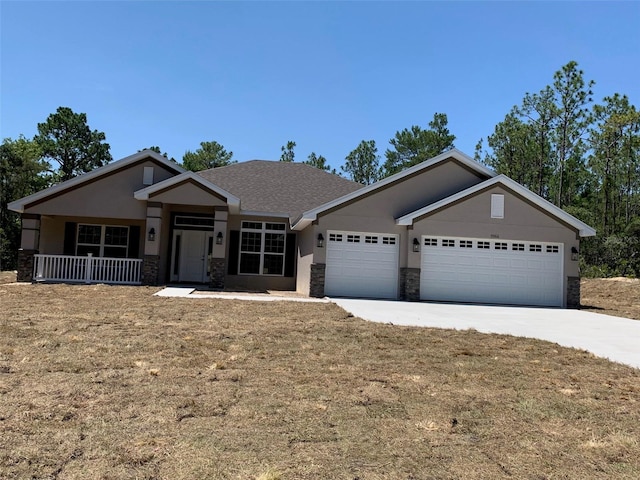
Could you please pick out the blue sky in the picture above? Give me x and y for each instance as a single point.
(252, 75)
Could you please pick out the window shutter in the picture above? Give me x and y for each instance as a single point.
(234, 250)
(134, 241)
(497, 205)
(290, 255)
(70, 229)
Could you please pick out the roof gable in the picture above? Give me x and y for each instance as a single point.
(20, 204)
(311, 215)
(583, 229)
(191, 178)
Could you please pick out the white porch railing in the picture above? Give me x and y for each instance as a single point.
(68, 268)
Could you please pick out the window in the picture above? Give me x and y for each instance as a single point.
(500, 246)
(552, 249)
(262, 248)
(388, 240)
(466, 244)
(353, 238)
(448, 243)
(484, 245)
(497, 205)
(370, 239)
(335, 237)
(430, 242)
(202, 223)
(518, 247)
(102, 240)
(535, 248)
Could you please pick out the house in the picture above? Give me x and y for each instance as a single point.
(448, 229)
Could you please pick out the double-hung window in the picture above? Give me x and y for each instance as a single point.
(102, 240)
(262, 248)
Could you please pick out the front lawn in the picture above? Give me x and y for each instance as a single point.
(113, 383)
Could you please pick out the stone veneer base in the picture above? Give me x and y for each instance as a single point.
(316, 283)
(150, 269)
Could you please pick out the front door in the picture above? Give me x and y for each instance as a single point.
(190, 256)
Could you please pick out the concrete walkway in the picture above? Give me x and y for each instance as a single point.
(615, 338)
(191, 292)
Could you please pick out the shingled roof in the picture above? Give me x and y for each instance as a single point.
(279, 187)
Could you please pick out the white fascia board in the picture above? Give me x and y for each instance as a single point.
(256, 213)
(311, 215)
(583, 229)
(19, 205)
(232, 201)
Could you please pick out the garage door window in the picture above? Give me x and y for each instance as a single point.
(262, 248)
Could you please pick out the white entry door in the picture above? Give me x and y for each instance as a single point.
(361, 264)
(191, 251)
(482, 270)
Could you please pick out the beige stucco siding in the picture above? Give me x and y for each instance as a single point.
(412, 193)
(109, 196)
(377, 212)
(188, 193)
(306, 245)
(522, 221)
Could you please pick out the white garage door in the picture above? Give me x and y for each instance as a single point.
(361, 265)
(491, 271)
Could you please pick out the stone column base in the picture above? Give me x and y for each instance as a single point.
(410, 284)
(316, 283)
(26, 260)
(573, 292)
(217, 268)
(150, 269)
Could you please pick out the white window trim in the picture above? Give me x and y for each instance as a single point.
(263, 231)
(103, 231)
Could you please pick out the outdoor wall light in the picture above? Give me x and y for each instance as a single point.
(219, 238)
(152, 234)
(320, 241)
(416, 245)
(574, 254)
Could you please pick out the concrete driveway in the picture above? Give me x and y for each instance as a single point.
(615, 338)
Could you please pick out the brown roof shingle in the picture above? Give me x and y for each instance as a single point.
(279, 187)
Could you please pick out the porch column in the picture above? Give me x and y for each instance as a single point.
(218, 263)
(29, 245)
(152, 235)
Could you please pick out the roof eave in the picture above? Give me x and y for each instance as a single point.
(20, 204)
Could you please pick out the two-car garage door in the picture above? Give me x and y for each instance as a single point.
(491, 271)
(361, 265)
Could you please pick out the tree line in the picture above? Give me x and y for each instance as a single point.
(580, 155)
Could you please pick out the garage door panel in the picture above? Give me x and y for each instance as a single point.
(503, 273)
(368, 268)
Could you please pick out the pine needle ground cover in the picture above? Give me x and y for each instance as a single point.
(113, 383)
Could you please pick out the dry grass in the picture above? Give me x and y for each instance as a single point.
(7, 277)
(613, 296)
(112, 383)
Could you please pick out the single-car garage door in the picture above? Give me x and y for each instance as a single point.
(491, 271)
(361, 265)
